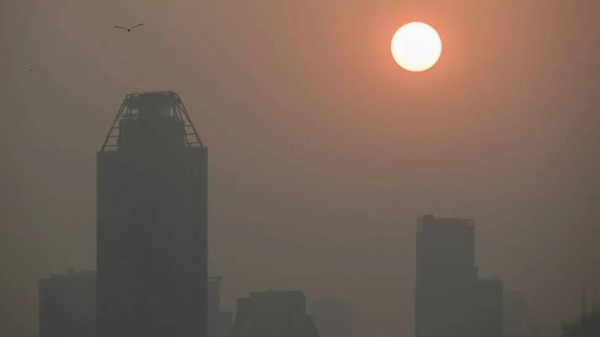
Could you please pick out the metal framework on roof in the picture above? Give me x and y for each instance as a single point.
(169, 101)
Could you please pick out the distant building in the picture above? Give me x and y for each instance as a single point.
(219, 322)
(332, 317)
(152, 200)
(589, 323)
(487, 308)
(450, 298)
(518, 318)
(589, 326)
(273, 314)
(67, 305)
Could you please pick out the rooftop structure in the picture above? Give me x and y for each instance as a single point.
(163, 107)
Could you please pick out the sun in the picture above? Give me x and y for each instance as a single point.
(416, 46)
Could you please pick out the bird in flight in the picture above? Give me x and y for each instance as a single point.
(130, 28)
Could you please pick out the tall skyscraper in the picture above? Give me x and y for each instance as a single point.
(332, 317)
(450, 298)
(152, 222)
(67, 305)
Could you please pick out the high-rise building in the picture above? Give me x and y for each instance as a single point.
(219, 321)
(333, 317)
(446, 272)
(450, 298)
(67, 305)
(152, 222)
(273, 314)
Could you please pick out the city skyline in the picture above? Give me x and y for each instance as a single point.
(322, 149)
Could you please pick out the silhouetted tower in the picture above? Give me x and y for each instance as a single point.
(214, 305)
(595, 296)
(450, 298)
(584, 305)
(445, 273)
(152, 222)
(219, 322)
(67, 305)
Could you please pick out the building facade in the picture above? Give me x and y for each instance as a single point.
(273, 314)
(487, 304)
(450, 298)
(152, 222)
(219, 321)
(67, 305)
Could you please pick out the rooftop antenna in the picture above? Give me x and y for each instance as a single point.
(595, 298)
(583, 302)
(332, 283)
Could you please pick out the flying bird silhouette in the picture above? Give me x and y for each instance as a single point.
(130, 28)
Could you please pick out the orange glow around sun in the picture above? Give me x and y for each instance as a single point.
(416, 46)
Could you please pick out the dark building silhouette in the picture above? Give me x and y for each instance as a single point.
(332, 317)
(450, 298)
(588, 326)
(518, 318)
(273, 314)
(446, 274)
(589, 322)
(219, 322)
(67, 305)
(486, 308)
(152, 222)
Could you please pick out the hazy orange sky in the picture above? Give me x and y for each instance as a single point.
(322, 150)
